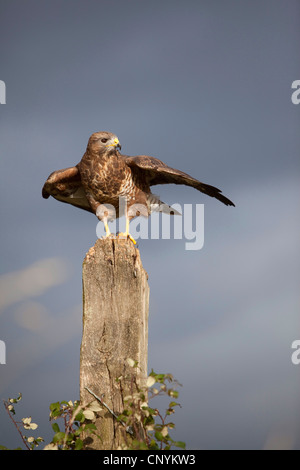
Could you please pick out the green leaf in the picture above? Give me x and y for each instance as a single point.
(80, 417)
(153, 445)
(70, 439)
(79, 431)
(148, 420)
(78, 444)
(173, 403)
(54, 406)
(180, 444)
(55, 409)
(90, 427)
(160, 377)
(159, 436)
(152, 411)
(55, 427)
(19, 397)
(171, 425)
(58, 437)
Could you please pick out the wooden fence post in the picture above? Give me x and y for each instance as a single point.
(115, 329)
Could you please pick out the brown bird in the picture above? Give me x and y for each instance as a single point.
(104, 175)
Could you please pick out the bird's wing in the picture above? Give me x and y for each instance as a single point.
(65, 186)
(154, 171)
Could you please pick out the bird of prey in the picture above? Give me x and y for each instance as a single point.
(104, 175)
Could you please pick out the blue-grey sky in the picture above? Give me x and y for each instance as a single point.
(206, 87)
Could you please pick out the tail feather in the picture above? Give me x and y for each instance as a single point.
(156, 205)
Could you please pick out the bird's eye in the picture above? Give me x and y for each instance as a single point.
(104, 141)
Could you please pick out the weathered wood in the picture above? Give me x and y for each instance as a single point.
(115, 328)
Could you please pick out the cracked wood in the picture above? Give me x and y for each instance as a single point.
(115, 328)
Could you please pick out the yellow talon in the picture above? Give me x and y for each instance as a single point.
(106, 229)
(132, 239)
(127, 235)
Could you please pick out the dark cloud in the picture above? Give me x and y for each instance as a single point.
(206, 87)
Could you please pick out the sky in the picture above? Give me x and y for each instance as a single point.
(204, 86)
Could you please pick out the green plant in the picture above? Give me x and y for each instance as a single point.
(151, 428)
(145, 427)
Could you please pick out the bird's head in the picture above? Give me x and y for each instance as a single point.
(103, 142)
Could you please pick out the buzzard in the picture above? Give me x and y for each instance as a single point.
(104, 175)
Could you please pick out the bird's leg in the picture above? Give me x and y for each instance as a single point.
(103, 216)
(107, 231)
(126, 233)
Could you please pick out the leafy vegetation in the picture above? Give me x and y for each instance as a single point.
(144, 427)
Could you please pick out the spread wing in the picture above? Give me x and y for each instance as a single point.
(65, 186)
(154, 171)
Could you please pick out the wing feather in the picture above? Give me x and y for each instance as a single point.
(154, 171)
(65, 186)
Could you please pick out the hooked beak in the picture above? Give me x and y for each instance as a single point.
(116, 144)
